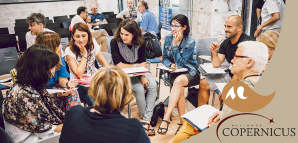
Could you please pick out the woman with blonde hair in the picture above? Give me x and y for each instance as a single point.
(111, 91)
(59, 80)
(269, 38)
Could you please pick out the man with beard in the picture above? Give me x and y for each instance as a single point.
(227, 49)
(130, 12)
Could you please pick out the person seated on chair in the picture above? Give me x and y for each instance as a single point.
(70, 97)
(248, 62)
(227, 49)
(37, 23)
(96, 18)
(149, 22)
(269, 38)
(111, 91)
(178, 53)
(80, 56)
(28, 112)
(128, 50)
(98, 35)
(130, 12)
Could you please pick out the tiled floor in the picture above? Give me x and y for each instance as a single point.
(164, 93)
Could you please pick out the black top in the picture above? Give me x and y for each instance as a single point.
(229, 49)
(83, 126)
(260, 4)
(117, 57)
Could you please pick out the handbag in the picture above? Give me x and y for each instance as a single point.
(152, 47)
(158, 111)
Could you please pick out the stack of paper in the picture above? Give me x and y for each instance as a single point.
(209, 69)
(198, 117)
(162, 67)
(135, 70)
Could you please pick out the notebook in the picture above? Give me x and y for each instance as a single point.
(198, 118)
(85, 80)
(134, 70)
(208, 69)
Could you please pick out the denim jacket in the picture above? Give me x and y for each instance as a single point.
(183, 57)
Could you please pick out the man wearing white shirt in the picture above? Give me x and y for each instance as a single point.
(130, 12)
(98, 35)
(37, 23)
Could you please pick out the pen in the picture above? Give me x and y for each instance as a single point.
(220, 41)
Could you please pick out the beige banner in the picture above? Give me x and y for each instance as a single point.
(280, 76)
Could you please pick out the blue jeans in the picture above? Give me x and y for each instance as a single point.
(83, 93)
(145, 105)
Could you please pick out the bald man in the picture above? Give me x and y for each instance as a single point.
(226, 50)
(96, 18)
(130, 12)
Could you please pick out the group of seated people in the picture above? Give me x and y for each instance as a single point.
(30, 112)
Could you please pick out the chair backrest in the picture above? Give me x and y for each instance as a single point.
(19, 29)
(4, 31)
(60, 17)
(109, 38)
(53, 25)
(113, 20)
(22, 41)
(108, 27)
(4, 138)
(108, 57)
(71, 16)
(65, 24)
(64, 42)
(111, 14)
(51, 139)
(202, 46)
(8, 59)
(63, 20)
(8, 40)
(106, 16)
(26, 24)
(64, 32)
(24, 20)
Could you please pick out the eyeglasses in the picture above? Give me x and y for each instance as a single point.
(175, 26)
(234, 57)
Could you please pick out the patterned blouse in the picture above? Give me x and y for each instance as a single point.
(30, 110)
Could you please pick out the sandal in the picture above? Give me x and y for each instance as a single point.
(150, 132)
(178, 128)
(159, 131)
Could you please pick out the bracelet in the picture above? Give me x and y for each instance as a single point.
(85, 57)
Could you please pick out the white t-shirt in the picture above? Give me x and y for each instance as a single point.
(90, 67)
(269, 8)
(77, 19)
(30, 39)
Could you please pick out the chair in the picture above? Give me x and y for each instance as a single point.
(8, 59)
(154, 60)
(22, 41)
(107, 27)
(4, 31)
(65, 24)
(4, 138)
(109, 38)
(64, 42)
(19, 29)
(202, 46)
(108, 57)
(64, 32)
(111, 14)
(59, 17)
(71, 16)
(106, 16)
(22, 22)
(113, 20)
(8, 40)
(63, 20)
(53, 25)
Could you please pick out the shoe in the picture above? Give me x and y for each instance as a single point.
(150, 132)
(178, 128)
(159, 131)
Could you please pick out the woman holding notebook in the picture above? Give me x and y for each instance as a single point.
(60, 80)
(80, 56)
(178, 53)
(128, 51)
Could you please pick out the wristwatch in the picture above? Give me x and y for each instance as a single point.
(134, 65)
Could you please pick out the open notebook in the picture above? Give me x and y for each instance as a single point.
(198, 118)
(168, 69)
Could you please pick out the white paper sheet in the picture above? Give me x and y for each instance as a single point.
(51, 91)
(200, 115)
(168, 69)
(211, 70)
(220, 86)
(135, 70)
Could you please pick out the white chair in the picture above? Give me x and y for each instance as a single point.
(108, 57)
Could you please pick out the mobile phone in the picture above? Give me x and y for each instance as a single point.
(74, 43)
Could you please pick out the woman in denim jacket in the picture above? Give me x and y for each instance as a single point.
(177, 53)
